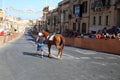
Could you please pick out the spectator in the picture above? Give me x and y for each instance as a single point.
(82, 35)
(118, 36)
(99, 36)
(107, 36)
(104, 30)
(113, 36)
(92, 36)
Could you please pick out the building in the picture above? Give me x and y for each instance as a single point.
(80, 15)
(104, 13)
(45, 12)
(63, 12)
(52, 20)
(84, 16)
(1, 17)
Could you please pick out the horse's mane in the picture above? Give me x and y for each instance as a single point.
(45, 33)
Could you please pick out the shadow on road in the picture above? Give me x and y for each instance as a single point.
(33, 54)
(31, 39)
(37, 55)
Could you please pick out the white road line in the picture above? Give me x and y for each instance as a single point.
(98, 57)
(85, 58)
(99, 63)
(84, 52)
(111, 58)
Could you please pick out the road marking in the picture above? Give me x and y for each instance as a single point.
(85, 52)
(98, 57)
(85, 58)
(99, 63)
(111, 58)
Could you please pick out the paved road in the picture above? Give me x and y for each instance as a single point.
(18, 61)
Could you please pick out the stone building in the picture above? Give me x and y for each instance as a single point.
(52, 20)
(71, 16)
(45, 12)
(84, 16)
(1, 17)
(80, 15)
(63, 12)
(104, 13)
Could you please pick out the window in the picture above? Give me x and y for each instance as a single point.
(74, 26)
(54, 21)
(64, 15)
(84, 7)
(78, 27)
(93, 3)
(107, 3)
(48, 21)
(84, 28)
(99, 20)
(103, 2)
(107, 20)
(94, 20)
(77, 10)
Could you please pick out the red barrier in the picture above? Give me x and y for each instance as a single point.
(2, 33)
(109, 45)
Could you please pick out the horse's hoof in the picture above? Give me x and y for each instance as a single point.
(50, 56)
(59, 58)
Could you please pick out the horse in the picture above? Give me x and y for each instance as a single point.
(58, 41)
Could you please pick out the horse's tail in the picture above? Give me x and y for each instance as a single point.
(62, 42)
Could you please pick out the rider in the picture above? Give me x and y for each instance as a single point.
(40, 43)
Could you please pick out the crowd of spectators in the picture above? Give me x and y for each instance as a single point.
(113, 33)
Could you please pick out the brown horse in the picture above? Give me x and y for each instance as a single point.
(58, 41)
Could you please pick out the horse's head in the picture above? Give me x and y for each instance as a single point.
(43, 33)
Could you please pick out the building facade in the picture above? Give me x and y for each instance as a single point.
(63, 12)
(104, 13)
(84, 16)
(1, 17)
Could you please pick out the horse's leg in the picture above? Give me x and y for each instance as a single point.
(60, 49)
(59, 53)
(49, 53)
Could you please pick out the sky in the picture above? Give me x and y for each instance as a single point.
(26, 9)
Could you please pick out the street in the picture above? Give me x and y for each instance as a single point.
(18, 61)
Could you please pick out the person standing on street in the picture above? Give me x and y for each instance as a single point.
(40, 44)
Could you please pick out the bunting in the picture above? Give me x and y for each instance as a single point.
(30, 11)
